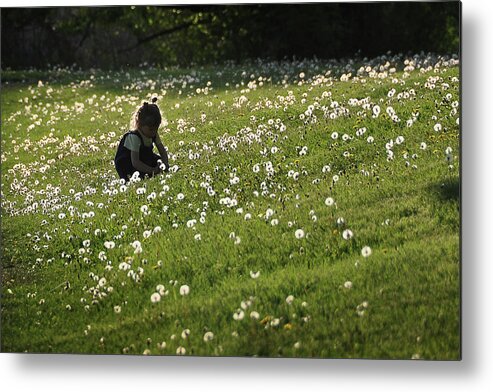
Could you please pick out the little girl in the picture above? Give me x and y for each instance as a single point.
(134, 152)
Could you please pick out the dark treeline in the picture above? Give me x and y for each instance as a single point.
(114, 37)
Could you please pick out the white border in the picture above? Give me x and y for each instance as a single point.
(85, 373)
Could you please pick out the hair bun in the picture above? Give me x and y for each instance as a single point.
(154, 100)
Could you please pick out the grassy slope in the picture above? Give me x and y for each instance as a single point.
(409, 217)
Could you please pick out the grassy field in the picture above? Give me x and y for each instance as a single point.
(311, 210)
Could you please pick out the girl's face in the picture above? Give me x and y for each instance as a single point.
(148, 131)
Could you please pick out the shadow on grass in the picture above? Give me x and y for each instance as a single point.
(448, 190)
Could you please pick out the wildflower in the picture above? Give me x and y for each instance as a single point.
(156, 297)
(437, 127)
(348, 284)
(185, 333)
(117, 309)
(423, 146)
(329, 201)
(86, 243)
(274, 222)
(248, 216)
(180, 196)
(297, 345)
(254, 275)
(238, 315)
(254, 315)
(289, 299)
(197, 237)
(366, 251)
(184, 290)
(376, 110)
(299, 233)
(109, 244)
(208, 336)
(181, 350)
(147, 233)
(347, 234)
(334, 135)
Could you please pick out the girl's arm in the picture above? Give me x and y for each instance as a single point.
(141, 166)
(164, 155)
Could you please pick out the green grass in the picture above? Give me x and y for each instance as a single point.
(404, 298)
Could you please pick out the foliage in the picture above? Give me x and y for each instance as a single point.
(117, 37)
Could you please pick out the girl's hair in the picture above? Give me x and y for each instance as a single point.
(148, 114)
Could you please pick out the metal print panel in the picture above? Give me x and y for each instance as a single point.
(268, 180)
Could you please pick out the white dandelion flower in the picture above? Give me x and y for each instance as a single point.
(340, 221)
(348, 284)
(347, 234)
(156, 297)
(254, 275)
(254, 315)
(299, 233)
(184, 290)
(366, 251)
(289, 299)
(109, 244)
(329, 201)
(238, 315)
(208, 336)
